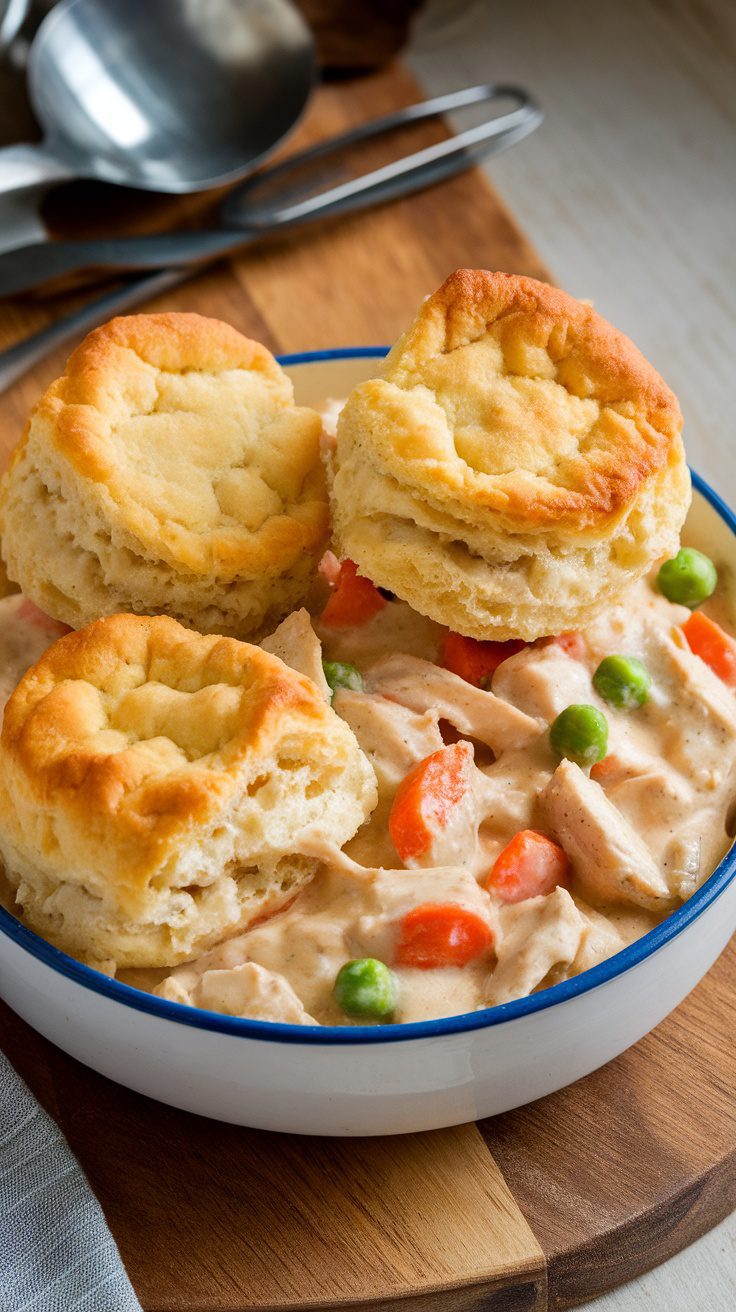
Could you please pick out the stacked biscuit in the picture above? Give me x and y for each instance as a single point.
(168, 471)
(162, 782)
(517, 463)
(160, 788)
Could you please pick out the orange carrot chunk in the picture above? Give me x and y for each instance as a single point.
(529, 866)
(475, 661)
(608, 769)
(708, 641)
(573, 643)
(425, 798)
(442, 934)
(353, 600)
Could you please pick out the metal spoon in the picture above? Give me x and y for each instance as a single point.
(297, 194)
(287, 194)
(13, 14)
(167, 95)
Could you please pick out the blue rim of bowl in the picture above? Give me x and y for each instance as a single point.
(331, 1035)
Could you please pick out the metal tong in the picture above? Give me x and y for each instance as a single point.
(278, 198)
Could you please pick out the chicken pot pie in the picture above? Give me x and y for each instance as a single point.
(517, 464)
(409, 821)
(161, 789)
(167, 471)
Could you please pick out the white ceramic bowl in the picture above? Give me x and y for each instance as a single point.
(380, 1079)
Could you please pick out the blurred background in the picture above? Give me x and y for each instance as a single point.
(628, 190)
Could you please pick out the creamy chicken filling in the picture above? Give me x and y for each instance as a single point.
(634, 836)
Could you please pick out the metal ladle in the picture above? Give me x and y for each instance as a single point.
(167, 95)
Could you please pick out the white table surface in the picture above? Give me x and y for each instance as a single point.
(628, 191)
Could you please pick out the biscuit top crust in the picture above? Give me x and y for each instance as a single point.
(187, 436)
(510, 396)
(133, 732)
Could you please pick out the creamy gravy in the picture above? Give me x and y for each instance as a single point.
(669, 797)
(661, 812)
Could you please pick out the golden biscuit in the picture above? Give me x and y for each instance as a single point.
(161, 789)
(516, 465)
(167, 471)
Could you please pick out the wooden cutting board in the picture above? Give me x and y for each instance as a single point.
(541, 1208)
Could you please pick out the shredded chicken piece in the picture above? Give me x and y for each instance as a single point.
(611, 861)
(702, 722)
(422, 686)
(684, 864)
(393, 737)
(297, 645)
(600, 939)
(535, 936)
(246, 990)
(542, 681)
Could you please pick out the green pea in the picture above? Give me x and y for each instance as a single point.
(340, 674)
(366, 988)
(689, 578)
(581, 733)
(623, 681)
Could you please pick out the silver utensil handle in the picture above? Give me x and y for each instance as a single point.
(422, 169)
(18, 359)
(410, 172)
(24, 267)
(238, 205)
(29, 166)
(29, 266)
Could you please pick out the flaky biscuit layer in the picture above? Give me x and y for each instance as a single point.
(168, 470)
(516, 465)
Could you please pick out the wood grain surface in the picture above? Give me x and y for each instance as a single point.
(539, 1208)
(211, 1216)
(625, 1168)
